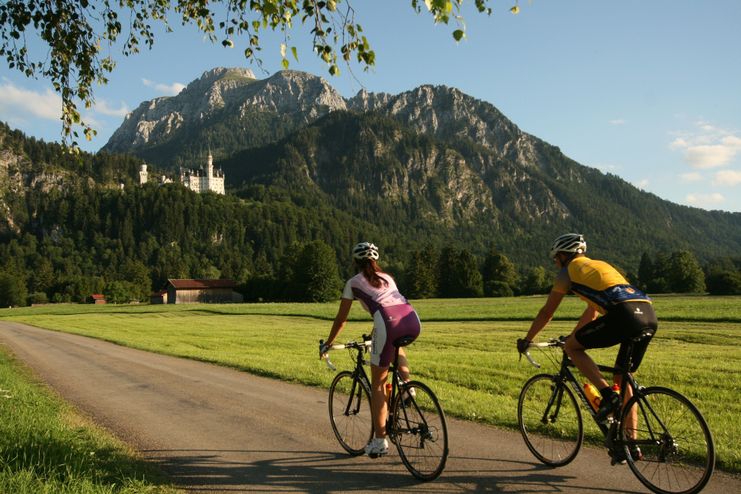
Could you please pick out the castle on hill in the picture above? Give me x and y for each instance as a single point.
(196, 179)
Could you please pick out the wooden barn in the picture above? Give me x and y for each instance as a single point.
(201, 291)
(96, 298)
(159, 297)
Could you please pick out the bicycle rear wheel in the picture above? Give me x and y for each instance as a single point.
(350, 412)
(677, 454)
(419, 431)
(550, 420)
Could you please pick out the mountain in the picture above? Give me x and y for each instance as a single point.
(226, 110)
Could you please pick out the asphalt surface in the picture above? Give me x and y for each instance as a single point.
(213, 429)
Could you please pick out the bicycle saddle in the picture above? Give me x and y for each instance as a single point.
(403, 341)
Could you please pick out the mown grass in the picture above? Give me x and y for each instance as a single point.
(466, 352)
(46, 448)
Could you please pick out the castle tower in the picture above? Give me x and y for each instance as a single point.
(143, 175)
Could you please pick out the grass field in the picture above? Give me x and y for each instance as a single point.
(45, 447)
(466, 352)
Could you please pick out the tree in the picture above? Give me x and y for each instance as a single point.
(422, 274)
(316, 273)
(658, 281)
(536, 281)
(645, 271)
(724, 283)
(12, 290)
(459, 274)
(79, 32)
(684, 273)
(500, 275)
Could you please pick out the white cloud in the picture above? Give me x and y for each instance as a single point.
(705, 200)
(166, 89)
(18, 102)
(642, 184)
(617, 121)
(691, 177)
(678, 143)
(728, 178)
(704, 157)
(707, 146)
(102, 106)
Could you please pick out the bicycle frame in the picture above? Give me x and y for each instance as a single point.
(609, 430)
(359, 374)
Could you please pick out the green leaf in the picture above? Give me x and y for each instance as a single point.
(458, 34)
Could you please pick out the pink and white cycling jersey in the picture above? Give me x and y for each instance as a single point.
(393, 316)
(370, 297)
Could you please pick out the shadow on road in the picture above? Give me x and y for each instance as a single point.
(315, 471)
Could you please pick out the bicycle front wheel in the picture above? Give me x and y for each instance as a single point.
(550, 420)
(350, 412)
(419, 430)
(669, 448)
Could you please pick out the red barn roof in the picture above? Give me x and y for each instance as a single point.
(201, 284)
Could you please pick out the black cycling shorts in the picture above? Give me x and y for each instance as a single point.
(621, 323)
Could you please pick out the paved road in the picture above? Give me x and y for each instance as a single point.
(214, 429)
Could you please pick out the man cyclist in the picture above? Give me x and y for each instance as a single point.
(624, 310)
(393, 318)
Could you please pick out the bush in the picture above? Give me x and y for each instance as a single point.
(38, 298)
(724, 283)
(498, 289)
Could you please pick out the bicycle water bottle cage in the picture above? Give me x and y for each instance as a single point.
(403, 341)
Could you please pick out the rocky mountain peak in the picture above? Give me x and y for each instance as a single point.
(223, 91)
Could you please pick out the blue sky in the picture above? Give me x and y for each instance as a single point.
(646, 90)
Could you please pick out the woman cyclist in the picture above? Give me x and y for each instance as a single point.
(393, 318)
(625, 313)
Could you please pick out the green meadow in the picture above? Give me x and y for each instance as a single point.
(466, 352)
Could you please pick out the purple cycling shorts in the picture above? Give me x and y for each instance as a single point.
(390, 324)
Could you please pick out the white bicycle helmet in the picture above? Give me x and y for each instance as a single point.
(572, 243)
(365, 250)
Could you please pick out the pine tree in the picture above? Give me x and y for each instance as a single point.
(316, 273)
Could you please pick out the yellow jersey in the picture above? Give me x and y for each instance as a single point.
(597, 283)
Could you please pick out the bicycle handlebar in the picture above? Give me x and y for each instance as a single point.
(355, 345)
(554, 342)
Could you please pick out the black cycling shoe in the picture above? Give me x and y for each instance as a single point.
(618, 456)
(608, 406)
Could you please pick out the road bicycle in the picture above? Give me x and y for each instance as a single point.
(416, 421)
(670, 448)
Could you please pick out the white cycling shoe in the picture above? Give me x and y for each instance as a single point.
(377, 447)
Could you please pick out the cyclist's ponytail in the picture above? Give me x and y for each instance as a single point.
(370, 270)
